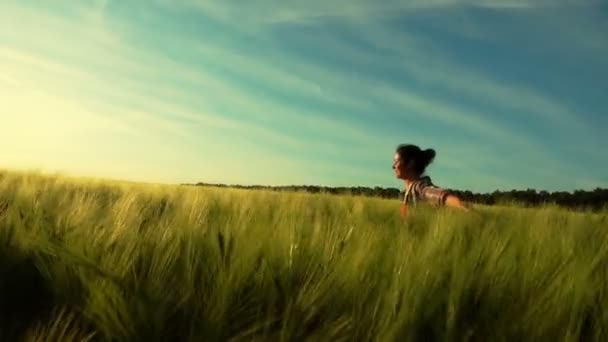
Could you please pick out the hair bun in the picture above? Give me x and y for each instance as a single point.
(421, 158)
(428, 156)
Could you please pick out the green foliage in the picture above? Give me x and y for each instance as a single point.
(83, 260)
(596, 199)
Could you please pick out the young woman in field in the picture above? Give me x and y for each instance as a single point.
(410, 163)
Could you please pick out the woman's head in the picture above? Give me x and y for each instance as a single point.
(410, 161)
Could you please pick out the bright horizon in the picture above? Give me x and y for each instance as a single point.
(510, 93)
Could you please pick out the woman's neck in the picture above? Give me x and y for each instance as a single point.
(408, 182)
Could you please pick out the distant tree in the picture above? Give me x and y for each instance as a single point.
(596, 199)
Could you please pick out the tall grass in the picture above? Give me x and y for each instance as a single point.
(94, 260)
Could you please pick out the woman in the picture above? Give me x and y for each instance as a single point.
(410, 163)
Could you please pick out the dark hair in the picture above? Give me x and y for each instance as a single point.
(422, 158)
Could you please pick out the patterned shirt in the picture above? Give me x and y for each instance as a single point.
(423, 189)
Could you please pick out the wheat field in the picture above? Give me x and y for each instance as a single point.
(95, 260)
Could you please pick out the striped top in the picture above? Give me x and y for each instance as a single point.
(423, 189)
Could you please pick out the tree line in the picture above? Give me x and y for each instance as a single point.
(596, 199)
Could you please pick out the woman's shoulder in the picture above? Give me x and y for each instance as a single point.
(425, 184)
(429, 191)
(424, 181)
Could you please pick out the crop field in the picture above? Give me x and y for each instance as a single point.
(94, 260)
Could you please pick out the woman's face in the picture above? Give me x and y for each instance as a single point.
(400, 167)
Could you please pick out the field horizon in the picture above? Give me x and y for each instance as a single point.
(595, 200)
(98, 260)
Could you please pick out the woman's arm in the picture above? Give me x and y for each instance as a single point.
(440, 196)
(455, 202)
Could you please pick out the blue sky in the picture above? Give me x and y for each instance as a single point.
(508, 92)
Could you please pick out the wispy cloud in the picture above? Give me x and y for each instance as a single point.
(426, 68)
(400, 52)
(396, 51)
(273, 12)
(149, 111)
(319, 92)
